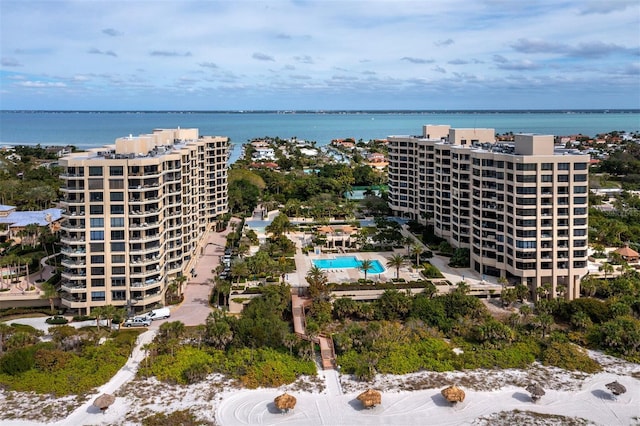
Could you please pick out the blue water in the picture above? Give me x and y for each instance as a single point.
(344, 262)
(95, 129)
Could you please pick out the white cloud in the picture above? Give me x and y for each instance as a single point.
(362, 48)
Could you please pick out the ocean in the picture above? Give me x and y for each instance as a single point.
(87, 129)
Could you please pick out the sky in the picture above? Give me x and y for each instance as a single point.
(319, 54)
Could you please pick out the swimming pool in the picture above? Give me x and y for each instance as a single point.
(344, 262)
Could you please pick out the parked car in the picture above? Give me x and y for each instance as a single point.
(160, 313)
(137, 322)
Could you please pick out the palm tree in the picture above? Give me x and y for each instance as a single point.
(417, 251)
(98, 312)
(365, 265)
(239, 270)
(607, 268)
(109, 312)
(317, 279)
(290, 340)
(396, 261)
(50, 292)
(180, 280)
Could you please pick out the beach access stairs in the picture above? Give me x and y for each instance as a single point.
(327, 350)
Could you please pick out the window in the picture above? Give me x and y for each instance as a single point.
(563, 178)
(116, 184)
(579, 189)
(563, 166)
(96, 209)
(97, 258)
(96, 247)
(97, 271)
(580, 166)
(117, 270)
(580, 178)
(116, 171)
(579, 200)
(96, 184)
(580, 221)
(97, 296)
(97, 222)
(546, 166)
(118, 295)
(579, 232)
(531, 190)
(117, 222)
(95, 171)
(528, 167)
(96, 196)
(547, 178)
(97, 282)
(116, 196)
(117, 209)
(118, 258)
(526, 178)
(97, 235)
(526, 244)
(117, 247)
(117, 235)
(118, 281)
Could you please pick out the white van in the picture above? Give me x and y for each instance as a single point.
(160, 313)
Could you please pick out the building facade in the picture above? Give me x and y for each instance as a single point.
(136, 215)
(521, 207)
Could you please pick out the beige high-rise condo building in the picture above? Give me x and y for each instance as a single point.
(520, 207)
(136, 216)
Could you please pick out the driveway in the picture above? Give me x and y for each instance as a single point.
(195, 308)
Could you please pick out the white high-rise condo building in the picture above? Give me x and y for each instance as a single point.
(136, 216)
(520, 207)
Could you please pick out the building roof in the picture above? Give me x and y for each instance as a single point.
(627, 252)
(21, 219)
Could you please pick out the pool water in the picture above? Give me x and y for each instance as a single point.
(343, 262)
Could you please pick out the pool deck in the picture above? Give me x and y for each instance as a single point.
(342, 275)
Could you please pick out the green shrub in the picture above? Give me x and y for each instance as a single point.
(18, 361)
(185, 365)
(180, 417)
(77, 374)
(56, 320)
(569, 357)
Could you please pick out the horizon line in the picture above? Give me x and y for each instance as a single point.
(327, 111)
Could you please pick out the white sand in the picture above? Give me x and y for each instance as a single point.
(331, 400)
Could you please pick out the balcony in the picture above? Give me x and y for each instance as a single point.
(70, 301)
(70, 263)
(72, 240)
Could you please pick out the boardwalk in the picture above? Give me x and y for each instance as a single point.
(327, 353)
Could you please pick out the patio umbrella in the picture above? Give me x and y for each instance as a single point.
(453, 394)
(616, 388)
(285, 402)
(370, 398)
(104, 401)
(536, 391)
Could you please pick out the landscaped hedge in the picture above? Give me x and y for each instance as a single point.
(379, 285)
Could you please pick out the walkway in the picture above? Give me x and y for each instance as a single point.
(327, 353)
(192, 311)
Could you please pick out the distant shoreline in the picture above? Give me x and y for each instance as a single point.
(355, 111)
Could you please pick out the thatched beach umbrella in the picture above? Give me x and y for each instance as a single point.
(104, 401)
(616, 388)
(370, 398)
(285, 402)
(536, 391)
(453, 394)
